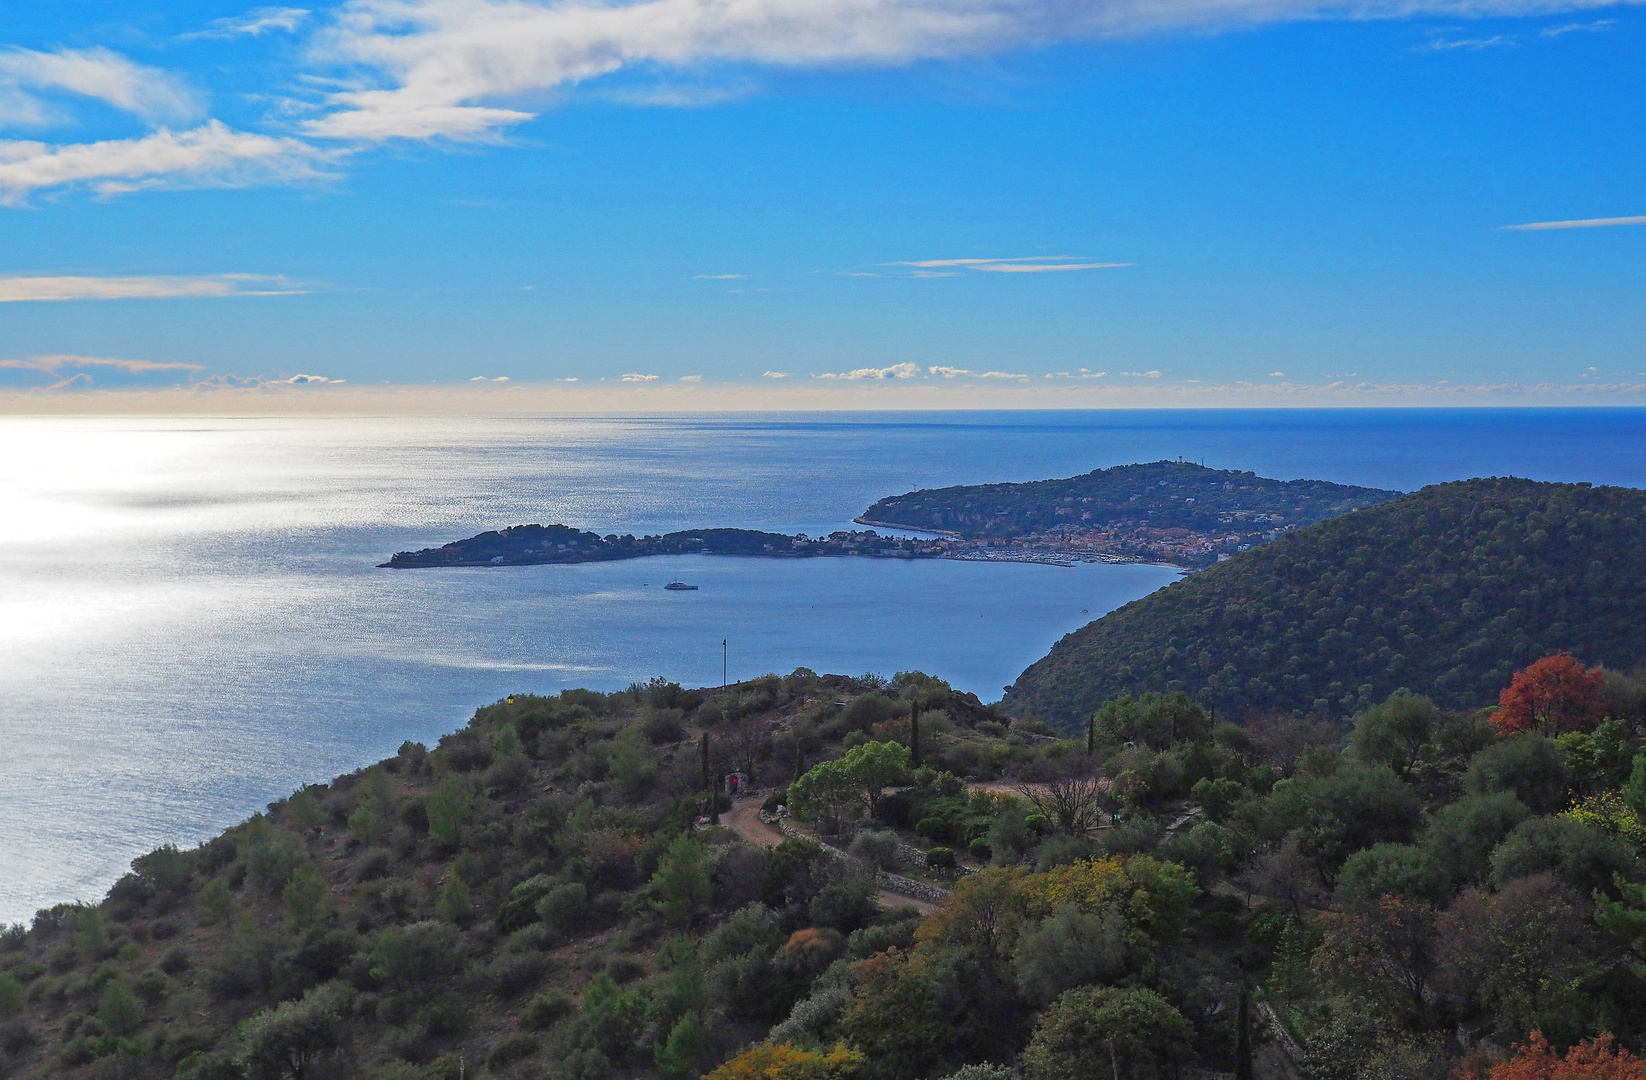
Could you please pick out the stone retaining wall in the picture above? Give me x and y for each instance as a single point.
(1288, 1046)
(896, 883)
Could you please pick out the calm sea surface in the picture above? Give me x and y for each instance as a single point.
(192, 624)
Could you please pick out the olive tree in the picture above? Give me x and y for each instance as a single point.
(283, 1043)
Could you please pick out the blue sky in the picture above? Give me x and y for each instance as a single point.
(671, 203)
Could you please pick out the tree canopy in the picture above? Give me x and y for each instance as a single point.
(1445, 592)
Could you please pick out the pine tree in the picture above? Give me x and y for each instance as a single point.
(681, 1056)
(454, 904)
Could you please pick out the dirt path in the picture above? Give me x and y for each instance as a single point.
(897, 899)
(744, 820)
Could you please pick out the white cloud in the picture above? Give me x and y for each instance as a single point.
(145, 92)
(311, 380)
(1581, 223)
(1599, 25)
(18, 289)
(774, 375)
(54, 365)
(1277, 374)
(1032, 264)
(1142, 374)
(955, 373)
(254, 23)
(1467, 44)
(691, 378)
(896, 371)
(635, 376)
(1083, 373)
(718, 277)
(466, 69)
(482, 378)
(212, 155)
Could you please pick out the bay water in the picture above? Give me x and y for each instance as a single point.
(192, 622)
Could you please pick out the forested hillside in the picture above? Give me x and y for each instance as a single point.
(1160, 494)
(1445, 592)
(547, 894)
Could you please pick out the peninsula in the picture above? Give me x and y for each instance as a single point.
(1172, 512)
(527, 545)
(1169, 512)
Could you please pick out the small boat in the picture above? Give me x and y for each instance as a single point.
(680, 586)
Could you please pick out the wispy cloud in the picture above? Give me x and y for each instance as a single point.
(718, 277)
(1030, 264)
(1277, 374)
(467, 69)
(904, 370)
(56, 364)
(957, 373)
(1142, 374)
(635, 376)
(1598, 26)
(691, 378)
(1580, 223)
(774, 375)
(19, 289)
(212, 155)
(144, 92)
(71, 373)
(1083, 373)
(254, 23)
(1467, 44)
(311, 380)
(483, 378)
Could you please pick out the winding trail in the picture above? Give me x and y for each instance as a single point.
(744, 820)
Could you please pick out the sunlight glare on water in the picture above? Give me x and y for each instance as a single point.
(192, 621)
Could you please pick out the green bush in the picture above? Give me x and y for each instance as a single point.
(511, 1050)
(175, 960)
(564, 908)
(404, 957)
(519, 909)
(514, 973)
(547, 1008)
(876, 847)
(934, 828)
(625, 968)
(940, 858)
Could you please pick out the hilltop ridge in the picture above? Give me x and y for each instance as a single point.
(1445, 592)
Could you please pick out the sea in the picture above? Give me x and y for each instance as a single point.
(193, 622)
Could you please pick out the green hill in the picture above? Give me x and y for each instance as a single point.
(1161, 494)
(542, 897)
(1445, 591)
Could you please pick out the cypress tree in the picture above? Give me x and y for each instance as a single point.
(1243, 1037)
(708, 781)
(914, 735)
(1091, 735)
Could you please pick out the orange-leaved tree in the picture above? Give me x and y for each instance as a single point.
(766, 1061)
(1591, 1059)
(1553, 696)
